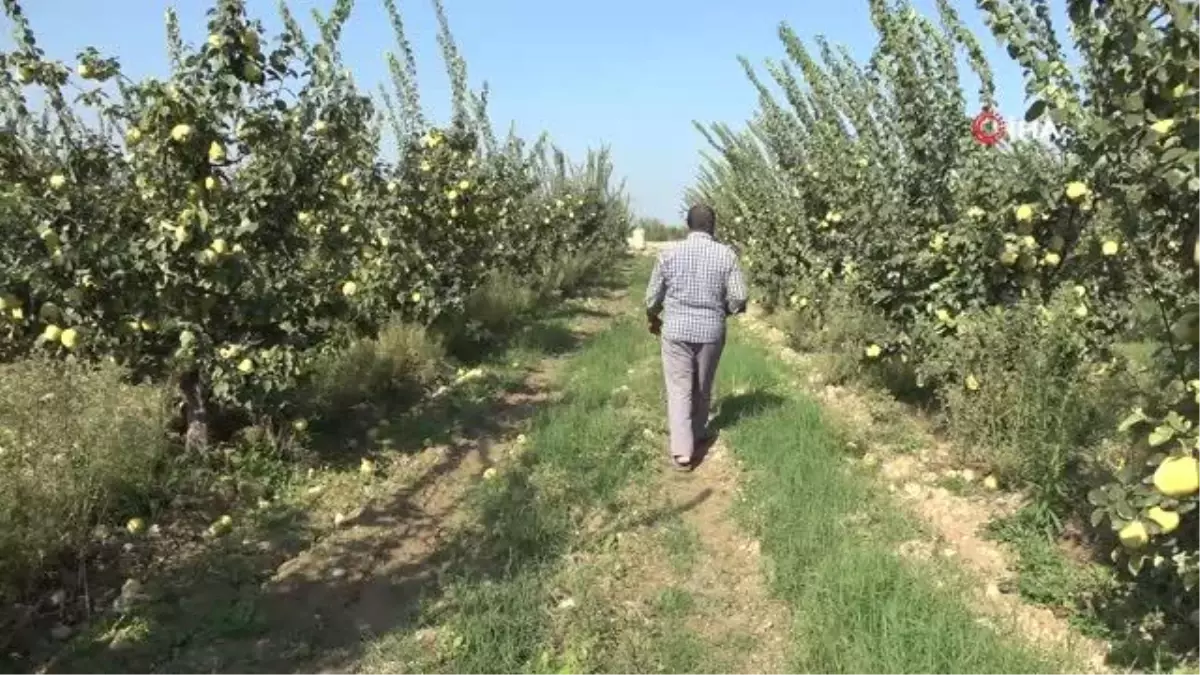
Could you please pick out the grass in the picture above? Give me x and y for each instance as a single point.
(363, 403)
(566, 559)
(682, 544)
(581, 454)
(1045, 575)
(77, 446)
(675, 602)
(1145, 633)
(857, 606)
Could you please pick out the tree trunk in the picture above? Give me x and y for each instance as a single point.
(195, 411)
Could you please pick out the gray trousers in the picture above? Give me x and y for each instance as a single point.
(689, 369)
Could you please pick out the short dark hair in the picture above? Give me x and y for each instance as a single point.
(701, 218)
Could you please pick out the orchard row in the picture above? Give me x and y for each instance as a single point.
(1017, 285)
(231, 222)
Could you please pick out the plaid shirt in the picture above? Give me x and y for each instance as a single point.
(698, 282)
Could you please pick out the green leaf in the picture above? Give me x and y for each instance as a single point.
(1175, 178)
(1184, 18)
(1035, 111)
(1178, 422)
(1160, 435)
(1136, 417)
(1173, 155)
(1125, 511)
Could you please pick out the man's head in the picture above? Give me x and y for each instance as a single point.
(701, 218)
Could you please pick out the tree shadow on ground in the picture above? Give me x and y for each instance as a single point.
(1150, 622)
(732, 409)
(1065, 563)
(403, 419)
(303, 603)
(576, 311)
(543, 328)
(283, 593)
(1168, 640)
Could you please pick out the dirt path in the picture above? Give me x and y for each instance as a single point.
(916, 475)
(576, 549)
(350, 555)
(382, 560)
(664, 578)
(369, 576)
(730, 574)
(703, 558)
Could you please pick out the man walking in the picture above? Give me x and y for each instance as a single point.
(695, 285)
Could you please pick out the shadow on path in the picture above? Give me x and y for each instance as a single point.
(730, 411)
(283, 593)
(736, 407)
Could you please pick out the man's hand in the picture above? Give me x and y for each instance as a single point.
(655, 325)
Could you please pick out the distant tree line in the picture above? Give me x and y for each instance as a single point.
(657, 230)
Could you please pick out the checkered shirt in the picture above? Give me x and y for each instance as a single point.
(696, 284)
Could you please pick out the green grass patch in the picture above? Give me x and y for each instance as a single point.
(675, 602)
(204, 606)
(1132, 615)
(682, 544)
(497, 605)
(857, 606)
(1045, 575)
(956, 485)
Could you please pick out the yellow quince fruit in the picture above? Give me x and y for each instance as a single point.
(1177, 476)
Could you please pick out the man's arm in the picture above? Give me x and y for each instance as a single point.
(735, 290)
(656, 290)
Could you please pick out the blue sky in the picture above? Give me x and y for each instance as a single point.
(629, 73)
